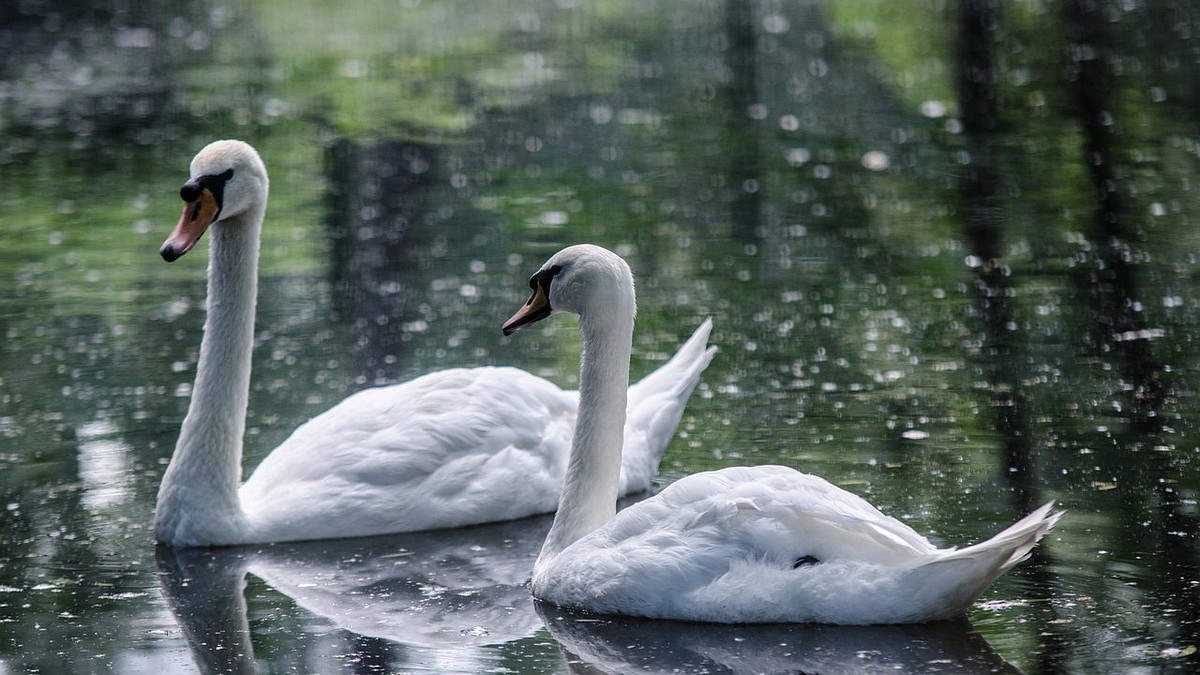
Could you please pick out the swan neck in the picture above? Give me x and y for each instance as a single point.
(201, 483)
(590, 490)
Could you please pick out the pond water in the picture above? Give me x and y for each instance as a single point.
(950, 250)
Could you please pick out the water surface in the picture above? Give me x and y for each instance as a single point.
(950, 250)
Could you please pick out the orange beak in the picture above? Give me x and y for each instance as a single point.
(534, 310)
(197, 216)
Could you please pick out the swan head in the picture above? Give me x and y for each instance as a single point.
(586, 280)
(227, 179)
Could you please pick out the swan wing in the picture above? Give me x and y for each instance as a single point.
(446, 449)
(778, 511)
(762, 543)
(451, 448)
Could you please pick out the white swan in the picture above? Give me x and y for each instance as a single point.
(739, 545)
(451, 448)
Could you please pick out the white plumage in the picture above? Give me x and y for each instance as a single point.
(450, 448)
(739, 545)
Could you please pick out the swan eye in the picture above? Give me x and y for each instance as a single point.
(227, 175)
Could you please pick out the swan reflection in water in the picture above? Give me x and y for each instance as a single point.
(443, 595)
(592, 643)
(446, 600)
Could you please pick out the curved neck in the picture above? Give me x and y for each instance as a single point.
(589, 494)
(200, 487)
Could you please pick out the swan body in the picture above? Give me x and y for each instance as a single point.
(451, 448)
(739, 545)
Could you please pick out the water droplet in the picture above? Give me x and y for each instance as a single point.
(876, 160)
(933, 109)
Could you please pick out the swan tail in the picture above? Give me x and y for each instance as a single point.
(678, 376)
(674, 381)
(656, 404)
(959, 576)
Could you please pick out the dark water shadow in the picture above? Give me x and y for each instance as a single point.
(1112, 325)
(743, 144)
(378, 198)
(1110, 283)
(1116, 285)
(1003, 351)
(617, 645)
